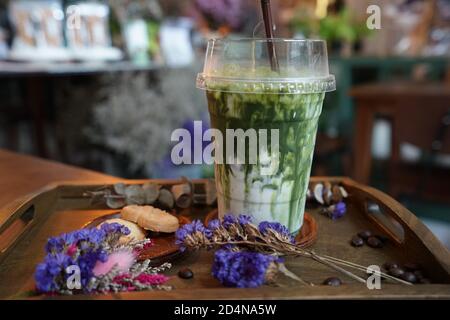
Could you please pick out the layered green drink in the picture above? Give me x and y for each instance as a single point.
(254, 98)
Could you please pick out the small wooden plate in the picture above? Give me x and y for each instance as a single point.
(163, 249)
(305, 238)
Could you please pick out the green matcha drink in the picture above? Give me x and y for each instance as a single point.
(243, 93)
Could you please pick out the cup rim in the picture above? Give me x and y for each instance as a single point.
(280, 40)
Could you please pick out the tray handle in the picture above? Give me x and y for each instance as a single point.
(388, 214)
(16, 228)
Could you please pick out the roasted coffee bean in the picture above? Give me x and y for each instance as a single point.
(365, 234)
(396, 272)
(374, 242)
(185, 273)
(357, 241)
(411, 266)
(332, 281)
(410, 277)
(390, 265)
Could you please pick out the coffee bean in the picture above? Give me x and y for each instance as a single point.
(365, 234)
(332, 281)
(374, 242)
(185, 273)
(410, 277)
(411, 266)
(357, 241)
(390, 265)
(396, 272)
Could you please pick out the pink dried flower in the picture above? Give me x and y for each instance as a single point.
(72, 250)
(123, 259)
(123, 279)
(151, 279)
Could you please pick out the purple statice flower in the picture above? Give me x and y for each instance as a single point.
(48, 272)
(277, 227)
(241, 269)
(54, 245)
(87, 262)
(110, 228)
(228, 220)
(190, 229)
(244, 219)
(214, 224)
(338, 210)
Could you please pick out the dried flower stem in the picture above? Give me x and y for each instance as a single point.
(337, 268)
(352, 265)
(362, 268)
(290, 274)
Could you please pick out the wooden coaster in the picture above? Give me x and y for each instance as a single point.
(305, 238)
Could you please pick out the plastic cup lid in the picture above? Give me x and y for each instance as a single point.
(243, 65)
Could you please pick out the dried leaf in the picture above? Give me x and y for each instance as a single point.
(120, 188)
(318, 193)
(151, 191)
(134, 194)
(327, 194)
(115, 203)
(182, 194)
(337, 195)
(343, 192)
(166, 199)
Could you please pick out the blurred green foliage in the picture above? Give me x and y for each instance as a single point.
(334, 27)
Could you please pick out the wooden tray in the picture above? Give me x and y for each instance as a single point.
(26, 224)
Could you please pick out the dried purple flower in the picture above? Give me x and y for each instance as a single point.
(282, 230)
(244, 219)
(337, 210)
(191, 231)
(228, 220)
(214, 224)
(242, 269)
(114, 228)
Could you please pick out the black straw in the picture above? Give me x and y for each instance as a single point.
(268, 25)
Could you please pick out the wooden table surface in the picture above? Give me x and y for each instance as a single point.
(22, 174)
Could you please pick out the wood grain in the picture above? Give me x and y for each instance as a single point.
(22, 175)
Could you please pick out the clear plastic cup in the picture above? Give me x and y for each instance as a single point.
(243, 92)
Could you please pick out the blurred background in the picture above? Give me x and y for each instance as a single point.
(102, 84)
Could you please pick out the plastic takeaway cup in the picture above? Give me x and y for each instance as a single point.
(270, 115)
